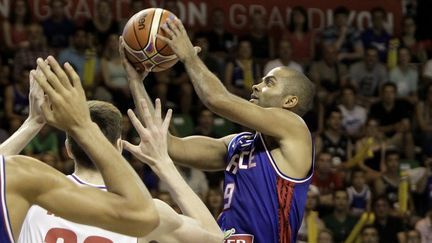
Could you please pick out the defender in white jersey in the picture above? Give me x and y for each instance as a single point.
(41, 225)
(197, 225)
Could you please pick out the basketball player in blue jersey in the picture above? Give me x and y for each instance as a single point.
(126, 208)
(267, 173)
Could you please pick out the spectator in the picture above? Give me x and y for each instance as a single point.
(242, 73)
(285, 54)
(302, 39)
(205, 124)
(328, 74)
(409, 40)
(427, 72)
(101, 25)
(353, 115)
(326, 179)
(114, 75)
(369, 234)
(405, 76)
(368, 75)
(222, 41)
(213, 64)
(424, 121)
(390, 229)
(45, 143)
(424, 186)
(58, 28)
(25, 57)
(260, 39)
(394, 117)
(424, 227)
(16, 97)
(413, 236)
(311, 205)
(388, 184)
(314, 118)
(376, 36)
(346, 39)
(333, 140)
(195, 178)
(340, 223)
(325, 236)
(214, 201)
(359, 194)
(15, 28)
(82, 58)
(174, 83)
(374, 164)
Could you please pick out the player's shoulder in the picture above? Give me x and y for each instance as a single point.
(30, 175)
(27, 166)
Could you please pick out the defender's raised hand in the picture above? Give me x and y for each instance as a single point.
(153, 148)
(67, 109)
(178, 40)
(36, 98)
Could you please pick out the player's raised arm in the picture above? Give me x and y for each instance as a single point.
(31, 126)
(68, 111)
(153, 150)
(266, 117)
(188, 151)
(36, 183)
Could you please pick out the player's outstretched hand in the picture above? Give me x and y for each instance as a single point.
(178, 39)
(153, 147)
(36, 99)
(133, 75)
(67, 108)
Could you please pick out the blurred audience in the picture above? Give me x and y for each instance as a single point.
(15, 31)
(368, 75)
(301, 37)
(328, 74)
(376, 36)
(58, 28)
(345, 37)
(284, 60)
(243, 72)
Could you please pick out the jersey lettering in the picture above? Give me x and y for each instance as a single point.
(237, 161)
(240, 238)
(229, 192)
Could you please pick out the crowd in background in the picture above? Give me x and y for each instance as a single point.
(371, 120)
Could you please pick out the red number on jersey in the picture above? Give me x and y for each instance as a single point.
(69, 236)
(57, 233)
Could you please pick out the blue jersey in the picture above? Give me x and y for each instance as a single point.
(5, 227)
(261, 204)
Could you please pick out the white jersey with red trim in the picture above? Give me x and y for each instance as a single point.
(41, 226)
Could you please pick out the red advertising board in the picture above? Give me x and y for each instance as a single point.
(196, 13)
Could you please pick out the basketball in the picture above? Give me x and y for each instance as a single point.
(142, 47)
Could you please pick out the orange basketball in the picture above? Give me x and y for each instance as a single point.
(142, 47)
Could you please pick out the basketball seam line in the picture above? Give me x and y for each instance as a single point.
(139, 43)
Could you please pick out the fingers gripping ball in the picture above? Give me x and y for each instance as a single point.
(142, 47)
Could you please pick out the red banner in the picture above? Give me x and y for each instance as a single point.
(196, 13)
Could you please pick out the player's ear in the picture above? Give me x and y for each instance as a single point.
(290, 102)
(68, 149)
(119, 145)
